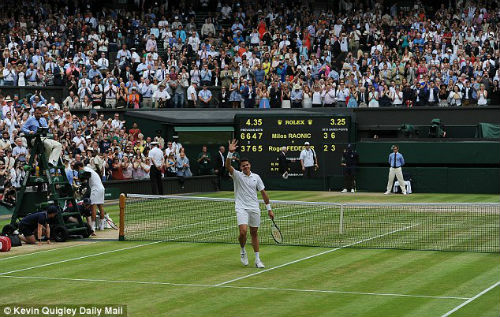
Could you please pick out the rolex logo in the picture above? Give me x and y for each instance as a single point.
(310, 122)
(280, 122)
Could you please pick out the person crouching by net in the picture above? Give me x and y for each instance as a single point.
(36, 225)
(246, 185)
(96, 193)
(84, 208)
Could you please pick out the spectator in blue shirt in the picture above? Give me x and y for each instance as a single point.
(205, 75)
(38, 98)
(205, 97)
(94, 72)
(259, 74)
(181, 34)
(396, 161)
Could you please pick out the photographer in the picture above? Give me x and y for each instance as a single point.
(204, 159)
(17, 174)
(9, 195)
(4, 174)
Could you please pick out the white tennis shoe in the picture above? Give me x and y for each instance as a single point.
(387, 193)
(352, 190)
(244, 259)
(259, 264)
(344, 190)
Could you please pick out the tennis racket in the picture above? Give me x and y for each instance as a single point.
(110, 222)
(276, 233)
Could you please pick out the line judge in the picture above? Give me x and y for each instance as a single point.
(396, 161)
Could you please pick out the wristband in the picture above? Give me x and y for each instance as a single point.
(230, 155)
(268, 207)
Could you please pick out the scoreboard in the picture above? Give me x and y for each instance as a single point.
(260, 138)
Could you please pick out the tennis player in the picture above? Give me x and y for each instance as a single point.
(246, 186)
(96, 193)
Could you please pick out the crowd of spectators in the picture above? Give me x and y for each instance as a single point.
(244, 54)
(105, 145)
(256, 53)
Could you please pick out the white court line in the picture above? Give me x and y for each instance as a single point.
(44, 251)
(313, 256)
(78, 258)
(234, 287)
(471, 299)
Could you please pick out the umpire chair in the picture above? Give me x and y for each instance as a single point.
(42, 186)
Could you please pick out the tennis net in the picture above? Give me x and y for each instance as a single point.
(441, 227)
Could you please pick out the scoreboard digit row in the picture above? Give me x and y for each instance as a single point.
(260, 139)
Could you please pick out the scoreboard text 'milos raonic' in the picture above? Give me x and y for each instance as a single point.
(262, 136)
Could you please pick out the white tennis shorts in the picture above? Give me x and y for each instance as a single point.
(248, 217)
(97, 195)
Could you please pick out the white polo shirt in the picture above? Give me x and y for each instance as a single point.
(156, 156)
(245, 190)
(95, 180)
(308, 157)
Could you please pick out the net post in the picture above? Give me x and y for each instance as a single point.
(121, 234)
(341, 221)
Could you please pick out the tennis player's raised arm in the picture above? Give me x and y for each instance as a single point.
(231, 149)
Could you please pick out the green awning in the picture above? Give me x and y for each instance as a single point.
(204, 129)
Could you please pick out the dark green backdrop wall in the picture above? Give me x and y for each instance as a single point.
(438, 165)
(443, 167)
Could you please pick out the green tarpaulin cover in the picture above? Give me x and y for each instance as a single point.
(488, 131)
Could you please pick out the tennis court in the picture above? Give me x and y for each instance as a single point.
(207, 279)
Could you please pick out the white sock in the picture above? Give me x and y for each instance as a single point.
(257, 258)
(243, 250)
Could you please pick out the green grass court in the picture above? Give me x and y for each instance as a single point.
(206, 279)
